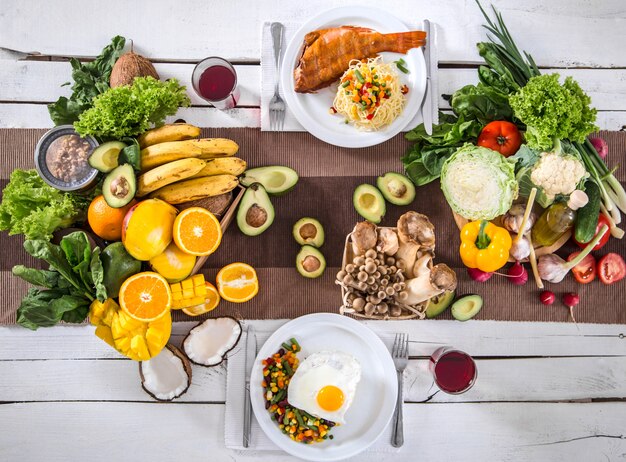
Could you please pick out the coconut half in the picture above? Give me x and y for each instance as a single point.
(166, 376)
(208, 342)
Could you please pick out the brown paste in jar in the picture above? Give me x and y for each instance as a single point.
(67, 158)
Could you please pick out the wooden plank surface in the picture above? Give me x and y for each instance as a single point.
(570, 33)
(436, 432)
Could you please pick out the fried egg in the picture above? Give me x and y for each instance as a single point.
(324, 385)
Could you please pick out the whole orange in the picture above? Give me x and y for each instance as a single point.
(105, 220)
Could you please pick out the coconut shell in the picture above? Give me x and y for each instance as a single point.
(129, 66)
(214, 204)
(186, 365)
(225, 354)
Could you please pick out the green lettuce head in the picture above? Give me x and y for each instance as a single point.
(479, 183)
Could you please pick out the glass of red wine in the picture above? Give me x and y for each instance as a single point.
(215, 80)
(454, 371)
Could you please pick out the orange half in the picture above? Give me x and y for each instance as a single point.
(145, 296)
(237, 282)
(197, 231)
(210, 303)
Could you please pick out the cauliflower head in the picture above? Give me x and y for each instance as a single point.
(557, 174)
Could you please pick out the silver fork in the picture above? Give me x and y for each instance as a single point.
(277, 105)
(400, 355)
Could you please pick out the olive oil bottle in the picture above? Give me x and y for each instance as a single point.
(557, 219)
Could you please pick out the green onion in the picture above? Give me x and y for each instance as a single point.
(359, 76)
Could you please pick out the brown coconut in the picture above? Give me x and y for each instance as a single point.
(129, 66)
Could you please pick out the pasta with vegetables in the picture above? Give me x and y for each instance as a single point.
(370, 95)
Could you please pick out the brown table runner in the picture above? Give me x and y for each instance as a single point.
(328, 176)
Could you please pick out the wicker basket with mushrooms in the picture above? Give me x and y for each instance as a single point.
(388, 273)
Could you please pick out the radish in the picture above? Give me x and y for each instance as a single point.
(517, 274)
(547, 297)
(601, 147)
(571, 300)
(478, 275)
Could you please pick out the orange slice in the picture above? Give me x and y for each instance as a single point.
(237, 282)
(145, 296)
(197, 231)
(210, 303)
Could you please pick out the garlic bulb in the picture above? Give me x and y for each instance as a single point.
(520, 249)
(512, 219)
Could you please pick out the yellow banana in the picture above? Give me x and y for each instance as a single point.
(196, 188)
(225, 165)
(170, 132)
(168, 173)
(204, 148)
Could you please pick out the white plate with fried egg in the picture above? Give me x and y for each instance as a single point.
(333, 340)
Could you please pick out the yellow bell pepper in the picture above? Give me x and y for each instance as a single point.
(484, 246)
(137, 340)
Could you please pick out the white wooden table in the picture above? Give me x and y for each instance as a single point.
(544, 392)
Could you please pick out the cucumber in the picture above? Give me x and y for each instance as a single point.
(587, 216)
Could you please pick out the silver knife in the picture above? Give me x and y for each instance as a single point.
(427, 108)
(247, 411)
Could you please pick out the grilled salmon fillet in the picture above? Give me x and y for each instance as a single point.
(327, 53)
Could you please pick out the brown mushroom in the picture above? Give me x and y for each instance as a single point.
(364, 237)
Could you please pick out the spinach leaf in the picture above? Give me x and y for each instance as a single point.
(131, 154)
(76, 248)
(90, 79)
(36, 309)
(55, 257)
(74, 308)
(41, 278)
(97, 275)
(418, 173)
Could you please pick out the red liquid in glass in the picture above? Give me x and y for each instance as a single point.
(216, 83)
(454, 372)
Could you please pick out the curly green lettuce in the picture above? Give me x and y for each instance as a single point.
(552, 111)
(130, 110)
(32, 208)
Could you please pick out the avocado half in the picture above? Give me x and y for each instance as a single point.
(276, 179)
(256, 212)
(439, 303)
(396, 188)
(369, 203)
(119, 186)
(467, 307)
(310, 262)
(308, 231)
(104, 157)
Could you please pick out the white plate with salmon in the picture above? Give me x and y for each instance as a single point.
(354, 77)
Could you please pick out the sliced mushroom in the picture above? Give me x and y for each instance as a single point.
(387, 241)
(429, 282)
(364, 237)
(416, 228)
(208, 342)
(166, 376)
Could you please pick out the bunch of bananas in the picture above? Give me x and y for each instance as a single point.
(178, 167)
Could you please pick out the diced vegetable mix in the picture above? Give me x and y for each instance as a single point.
(366, 88)
(278, 370)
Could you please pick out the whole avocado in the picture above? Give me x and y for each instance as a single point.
(118, 266)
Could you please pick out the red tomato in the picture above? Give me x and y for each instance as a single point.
(602, 220)
(501, 136)
(585, 271)
(612, 268)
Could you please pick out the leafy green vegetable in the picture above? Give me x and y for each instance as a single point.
(129, 110)
(525, 157)
(474, 106)
(31, 207)
(131, 154)
(551, 110)
(74, 280)
(479, 183)
(90, 79)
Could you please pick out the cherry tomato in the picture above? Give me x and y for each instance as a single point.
(585, 271)
(501, 136)
(602, 220)
(612, 268)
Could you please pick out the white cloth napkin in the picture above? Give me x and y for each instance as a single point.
(235, 389)
(268, 76)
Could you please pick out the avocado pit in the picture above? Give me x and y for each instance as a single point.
(308, 231)
(311, 264)
(256, 216)
(119, 187)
